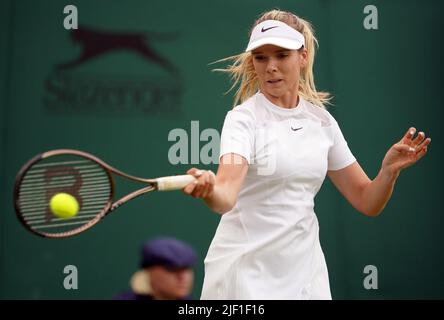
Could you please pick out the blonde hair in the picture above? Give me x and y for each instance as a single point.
(242, 70)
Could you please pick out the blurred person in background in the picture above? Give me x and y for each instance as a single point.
(166, 271)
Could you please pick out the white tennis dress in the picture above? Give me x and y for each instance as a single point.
(267, 246)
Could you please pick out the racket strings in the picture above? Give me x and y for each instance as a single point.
(84, 179)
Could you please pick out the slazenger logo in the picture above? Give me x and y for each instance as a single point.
(151, 91)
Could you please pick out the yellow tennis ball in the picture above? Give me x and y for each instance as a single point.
(64, 205)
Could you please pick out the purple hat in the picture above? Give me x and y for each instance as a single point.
(168, 252)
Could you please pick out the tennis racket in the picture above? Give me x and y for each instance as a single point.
(88, 179)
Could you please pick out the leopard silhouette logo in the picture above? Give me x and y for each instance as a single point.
(96, 43)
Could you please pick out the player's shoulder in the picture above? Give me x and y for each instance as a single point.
(244, 111)
(320, 114)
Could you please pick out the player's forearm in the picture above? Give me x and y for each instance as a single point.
(221, 200)
(378, 192)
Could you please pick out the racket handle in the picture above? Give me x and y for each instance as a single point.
(174, 182)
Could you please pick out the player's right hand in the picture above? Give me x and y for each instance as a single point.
(203, 186)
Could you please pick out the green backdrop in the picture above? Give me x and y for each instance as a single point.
(384, 81)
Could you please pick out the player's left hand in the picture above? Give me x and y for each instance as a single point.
(406, 152)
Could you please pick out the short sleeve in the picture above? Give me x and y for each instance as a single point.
(339, 154)
(238, 134)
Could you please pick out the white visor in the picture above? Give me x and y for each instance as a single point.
(276, 33)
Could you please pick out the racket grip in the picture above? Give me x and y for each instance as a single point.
(174, 182)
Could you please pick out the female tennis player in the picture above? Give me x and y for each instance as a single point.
(277, 146)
